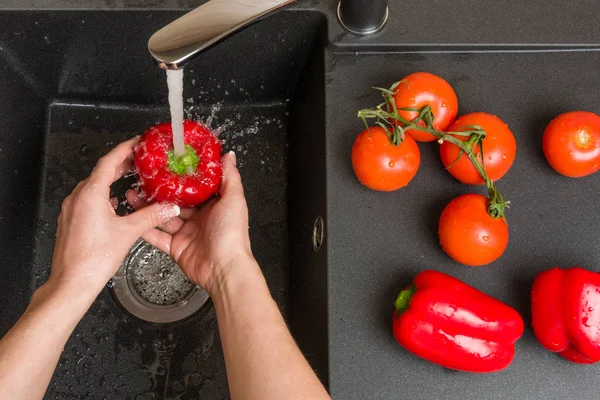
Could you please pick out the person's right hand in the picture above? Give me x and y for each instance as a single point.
(211, 242)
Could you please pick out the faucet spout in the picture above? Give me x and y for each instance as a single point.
(178, 43)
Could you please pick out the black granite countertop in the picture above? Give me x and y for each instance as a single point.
(414, 24)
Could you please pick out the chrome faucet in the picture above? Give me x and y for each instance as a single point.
(173, 46)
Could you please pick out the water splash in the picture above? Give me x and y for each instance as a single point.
(213, 113)
(223, 127)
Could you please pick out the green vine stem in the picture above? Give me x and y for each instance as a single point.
(396, 126)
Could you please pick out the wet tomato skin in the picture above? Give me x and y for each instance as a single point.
(499, 149)
(571, 143)
(468, 234)
(380, 165)
(420, 89)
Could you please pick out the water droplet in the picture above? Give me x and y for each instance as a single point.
(486, 238)
(504, 156)
(391, 164)
(591, 309)
(490, 158)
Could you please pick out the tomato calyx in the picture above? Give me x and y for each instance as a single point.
(185, 163)
(387, 116)
(497, 204)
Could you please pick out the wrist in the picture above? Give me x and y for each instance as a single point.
(238, 271)
(65, 295)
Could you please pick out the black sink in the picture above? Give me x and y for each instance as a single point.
(70, 95)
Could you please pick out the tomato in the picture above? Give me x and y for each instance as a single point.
(468, 234)
(420, 89)
(571, 143)
(379, 165)
(499, 149)
(185, 180)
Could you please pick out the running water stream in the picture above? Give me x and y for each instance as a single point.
(175, 84)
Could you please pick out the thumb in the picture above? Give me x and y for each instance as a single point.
(232, 181)
(151, 216)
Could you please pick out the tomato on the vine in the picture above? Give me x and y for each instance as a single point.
(468, 234)
(571, 143)
(421, 89)
(499, 149)
(381, 165)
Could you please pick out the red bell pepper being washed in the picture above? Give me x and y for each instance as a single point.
(565, 310)
(187, 179)
(450, 323)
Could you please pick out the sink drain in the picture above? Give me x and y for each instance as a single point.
(152, 287)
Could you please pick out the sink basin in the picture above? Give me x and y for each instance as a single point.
(69, 96)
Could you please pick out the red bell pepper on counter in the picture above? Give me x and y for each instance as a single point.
(450, 323)
(565, 310)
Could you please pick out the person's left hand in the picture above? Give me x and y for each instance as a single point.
(92, 240)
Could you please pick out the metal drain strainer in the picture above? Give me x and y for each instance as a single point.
(156, 277)
(152, 287)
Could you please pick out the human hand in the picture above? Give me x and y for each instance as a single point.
(91, 240)
(211, 242)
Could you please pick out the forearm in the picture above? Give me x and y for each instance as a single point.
(263, 361)
(30, 351)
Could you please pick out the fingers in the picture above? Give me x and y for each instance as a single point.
(115, 164)
(232, 181)
(134, 199)
(171, 226)
(149, 217)
(159, 239)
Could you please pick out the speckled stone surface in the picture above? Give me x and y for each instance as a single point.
(435, 25)
(378, 241)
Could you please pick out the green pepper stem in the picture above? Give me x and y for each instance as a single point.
(185, 163)
(403, 300)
